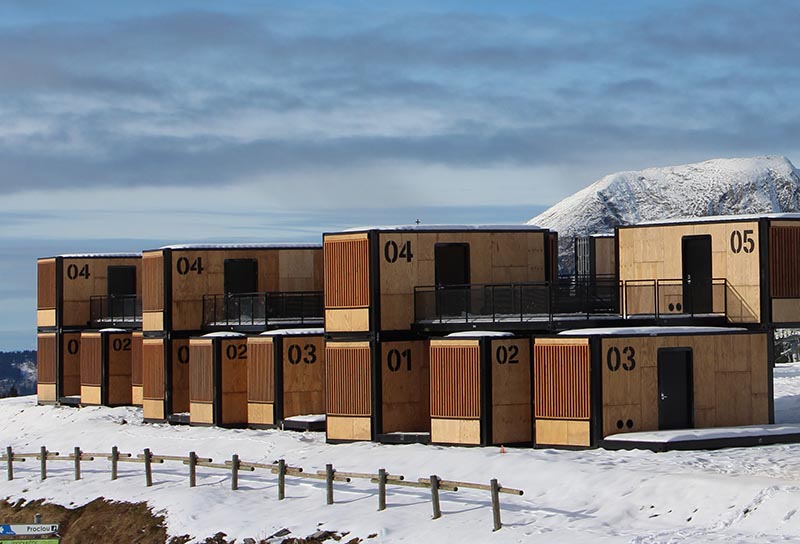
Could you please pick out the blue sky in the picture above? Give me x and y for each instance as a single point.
(127, 125)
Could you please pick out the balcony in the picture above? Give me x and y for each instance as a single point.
(250, 312)
(116, 311)
(570, 301)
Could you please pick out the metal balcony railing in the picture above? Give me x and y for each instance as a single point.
(262, 309)
(115, 310)
(517, 302)
(675, 297)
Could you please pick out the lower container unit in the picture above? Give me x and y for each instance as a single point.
(481, 390)
(286, 379)
(591, 384)
(165, 378)
(218, 379)
(105, 373)
(377, 390)
(58, 367)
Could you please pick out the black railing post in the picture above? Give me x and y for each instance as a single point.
(655, 299)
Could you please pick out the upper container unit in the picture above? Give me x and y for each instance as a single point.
(745, 269)
(231, 287)
(93, 290)
(387, 278)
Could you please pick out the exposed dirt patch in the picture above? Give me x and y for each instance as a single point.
(98, 521)
(108, 521)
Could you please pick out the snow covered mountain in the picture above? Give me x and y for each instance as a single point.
(715, 187)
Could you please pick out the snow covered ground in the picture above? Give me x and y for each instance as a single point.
(735, 495)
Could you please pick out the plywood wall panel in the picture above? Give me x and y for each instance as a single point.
(405, 386)
(303, 375)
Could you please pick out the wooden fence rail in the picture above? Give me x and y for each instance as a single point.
(236, 465)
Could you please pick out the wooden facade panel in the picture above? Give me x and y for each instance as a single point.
(348, 379)
(349, 428)
(120, 352)
(234, 389)
(91, 359)
(153, 365)
(46, 284)
(153, 282)
(180, 362)
(563, 432)
(455, 381)
(784, 262)
(136, 359)
(260, 370)
(562, 381)
(303, 375)
(347, 276)
(201, 371)
(71, 364)
(46, 362)
(405, 386)
(511, 391)
(456, 431)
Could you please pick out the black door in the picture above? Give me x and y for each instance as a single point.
(675, 389)
(121, 280)
(241, 276)
(121, 292)
(697, 293)
(451, 267)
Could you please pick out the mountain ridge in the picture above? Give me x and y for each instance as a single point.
(733, 186)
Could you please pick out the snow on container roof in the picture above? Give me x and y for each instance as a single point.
(455, 228)
(224, 334)
(648, 331)
(244, 246)
(308, 331)
(478, 334)
(113, 329)
(96, 256)
(716, 218)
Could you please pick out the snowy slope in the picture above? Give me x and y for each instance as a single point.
(715, 187)
(736, 495)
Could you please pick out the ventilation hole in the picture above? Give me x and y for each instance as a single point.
(629, 423)
(619, 424)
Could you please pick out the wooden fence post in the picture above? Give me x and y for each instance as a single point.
(114, 462)
(437, 512)
(496, 504)
(281, 479)
(192, 469)
(77, 453)
(234, 472)
(329, 483)
(148, 470)
(382, 489)
(43, 462)
(10, 457)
